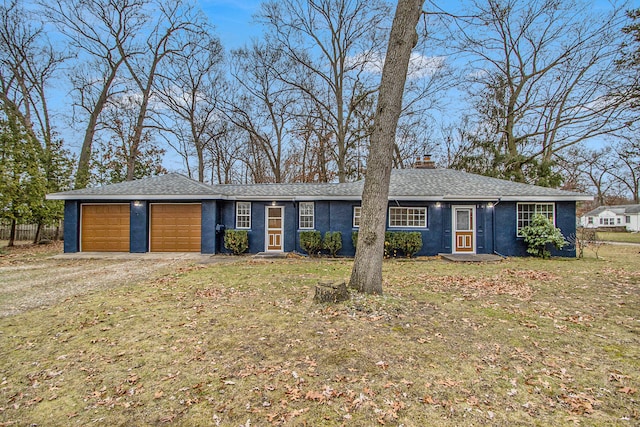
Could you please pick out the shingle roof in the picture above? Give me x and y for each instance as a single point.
(169, 186)
(617, 209)
(454, 184)
(406, 184)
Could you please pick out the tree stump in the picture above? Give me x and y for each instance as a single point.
(331, 292)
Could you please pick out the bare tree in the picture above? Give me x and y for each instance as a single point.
(337, 45)
(111, 156)
(95, 29)
(262, 105)
(589, 170)
(626, 169)
(542, 80)
(225, 154)
(190, 84)
(168, 35)
(366, 275)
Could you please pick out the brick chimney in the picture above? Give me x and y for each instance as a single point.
(425, 162)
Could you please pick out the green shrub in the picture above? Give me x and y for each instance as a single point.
(540, 234)
(409, 242)
(390, 244)
(237, 241)
(311, 242)
(332, 242)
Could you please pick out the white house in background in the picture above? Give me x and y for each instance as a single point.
(627, 216)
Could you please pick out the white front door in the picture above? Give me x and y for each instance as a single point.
(274, 228)
(464, 235)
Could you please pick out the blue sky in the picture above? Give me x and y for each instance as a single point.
(233, 20)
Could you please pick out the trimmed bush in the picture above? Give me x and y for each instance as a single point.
(332, 242)
(390, 244)
(409, 242)
(237, 241)
(540, 234)
(311, 242)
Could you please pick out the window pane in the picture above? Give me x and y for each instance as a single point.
(243, 215)
(357, 210)
(526, 212)
(463, 220)
(407, 217)
(306, 216)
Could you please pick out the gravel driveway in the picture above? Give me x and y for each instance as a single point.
(35, 282)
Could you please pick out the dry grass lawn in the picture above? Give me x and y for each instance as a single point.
(519, 342)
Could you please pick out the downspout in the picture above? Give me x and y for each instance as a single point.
(493, 229)
(296, 237)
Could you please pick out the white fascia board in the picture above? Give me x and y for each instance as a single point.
(290, 199)
(61, 196)
(416, 198)
(453, 197)
(571, 198)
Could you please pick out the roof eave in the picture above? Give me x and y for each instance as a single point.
(62, 196)
(557, 198)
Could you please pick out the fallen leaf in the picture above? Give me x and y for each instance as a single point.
(627, 390)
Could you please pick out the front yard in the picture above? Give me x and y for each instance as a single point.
(519, 342)
(610, 236)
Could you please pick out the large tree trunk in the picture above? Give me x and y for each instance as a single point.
(366, 275)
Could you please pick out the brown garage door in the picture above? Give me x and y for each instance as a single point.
(175, 227)
(105, 228)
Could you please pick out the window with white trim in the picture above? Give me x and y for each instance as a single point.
(590, 220)
(243, 215)
(306, 215)
(628, 219)
(357, 211)
(408, 217)
(526, 212)
(607, 221)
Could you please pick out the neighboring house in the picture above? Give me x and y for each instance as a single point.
(456, 212)
(627, 216)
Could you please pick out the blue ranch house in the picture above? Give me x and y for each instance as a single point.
(456, 212)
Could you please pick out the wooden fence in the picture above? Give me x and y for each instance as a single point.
(27, 232)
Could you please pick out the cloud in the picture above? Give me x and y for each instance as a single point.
(420, 66)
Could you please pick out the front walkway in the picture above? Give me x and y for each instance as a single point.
(471, 257)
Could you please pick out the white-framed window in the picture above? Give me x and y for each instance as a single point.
(408, 217)
(243, 215)
(607, 221)
(590, 220)
(306, 215)
(526, 212)
(357, 211)
(619, 220)
(628, 219)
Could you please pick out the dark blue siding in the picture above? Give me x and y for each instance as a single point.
(71, 226)
(139, 227)
(506, 241)
(495, 226)
(208, 243)
(566, 222)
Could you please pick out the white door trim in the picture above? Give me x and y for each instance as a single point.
(267, 236)
(454, 229)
